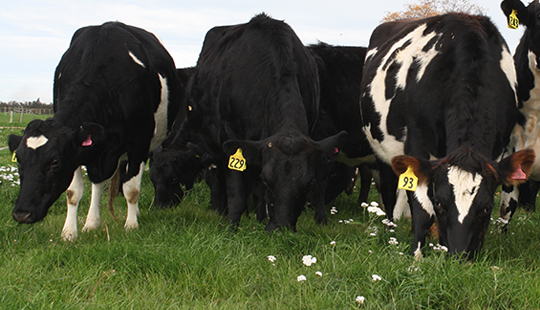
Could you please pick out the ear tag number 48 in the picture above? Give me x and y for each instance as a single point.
(237, 161)
(407, 180)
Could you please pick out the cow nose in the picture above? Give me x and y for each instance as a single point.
(21, 216)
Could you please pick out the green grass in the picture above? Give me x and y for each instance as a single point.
(186, 258)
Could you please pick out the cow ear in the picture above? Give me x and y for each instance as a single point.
(421, 167)
(515, 169)
(88, 134)
(13, 142)
(521, 11)
(251, 150)
(332, 145)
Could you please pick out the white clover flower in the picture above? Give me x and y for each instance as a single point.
(375, 278)
(370, 251)
(360, 299)
(400, 253)
(374, 204)
(319, 273)
(389, 223)
(364, 205)
(308, 260)
(272, 258)
(333, 210)
(376, 210)
(393, 241)
(373, 234)
(332, 242)
(301, 278)
(441, 248)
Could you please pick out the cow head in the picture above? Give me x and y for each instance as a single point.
(529, 16)
(47, 155)
(290, 165)
(462, 190)
(168, 169)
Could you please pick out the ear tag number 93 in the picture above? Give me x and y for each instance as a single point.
(237, 161)
(408, 181)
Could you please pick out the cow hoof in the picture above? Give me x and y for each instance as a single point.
(131, 226)
(69, 236)
(91, 225)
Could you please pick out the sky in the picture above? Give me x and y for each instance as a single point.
(34, 34)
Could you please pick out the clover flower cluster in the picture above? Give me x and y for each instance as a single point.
(10, 175)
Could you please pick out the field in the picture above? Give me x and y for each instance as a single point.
(186, 258)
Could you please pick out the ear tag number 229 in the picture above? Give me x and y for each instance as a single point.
(237, 161)
(407, 180)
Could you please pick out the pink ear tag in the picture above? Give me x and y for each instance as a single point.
(519, 174)
(336, 150)
(88, 141)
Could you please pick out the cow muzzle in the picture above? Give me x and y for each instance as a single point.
(23, 217)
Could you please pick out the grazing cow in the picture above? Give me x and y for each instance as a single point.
(115, 95)
(255, 90)
(526, 60)
(340, 75)
(172, 164)
(443, 88)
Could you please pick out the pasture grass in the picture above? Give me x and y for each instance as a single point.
(186, 258)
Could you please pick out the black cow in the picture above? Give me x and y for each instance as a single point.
(255, 89)
(115, 94)
(526, 60)
(443, 87)
(172, 163)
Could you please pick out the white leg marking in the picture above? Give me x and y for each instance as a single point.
(74, 194)
(136, 60)
(466, 186)
(132, 189)
(160, 117)
(402, 208)
(418, 252)
(93, 219)
(35, 142)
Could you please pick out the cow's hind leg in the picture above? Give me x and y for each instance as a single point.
(93, 219)
(74, 194)
(131, 189)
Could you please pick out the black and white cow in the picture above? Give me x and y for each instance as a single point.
(439, 96)
(115, 95)
(255, 88)
(526, 60)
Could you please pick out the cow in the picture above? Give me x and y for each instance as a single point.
(116, 96)
(528, 76)
(438, 97)
(172, 163)
(255, 93)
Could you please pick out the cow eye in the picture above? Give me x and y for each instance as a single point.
(55, 163)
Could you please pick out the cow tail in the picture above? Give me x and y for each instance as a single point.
(113, 190)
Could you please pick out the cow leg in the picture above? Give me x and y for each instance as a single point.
(527, 195)
(423, 216)
(509, 201)
(131, 190)
(388, 188)
(93, 219)
(74, 194)
(365, 182)
(318, 203)
(236, 196)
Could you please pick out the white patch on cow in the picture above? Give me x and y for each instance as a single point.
(371, 53)
(418, 252)
(136, 60)
(131, 190)
(35, 142)
(93, 219)
(402, 209)
(389, 146)
(421, 194)
(160, 117)
(507, 66)
(466, 186)
(74, 194)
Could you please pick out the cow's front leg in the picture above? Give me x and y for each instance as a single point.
(509, 202)
(93, 219)
(423, 216)
(74, 194)
(236, 196)
(132, 190)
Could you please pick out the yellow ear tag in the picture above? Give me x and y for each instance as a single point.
(237, 161)
(407, 180)
(13, 158)
(513, 21)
